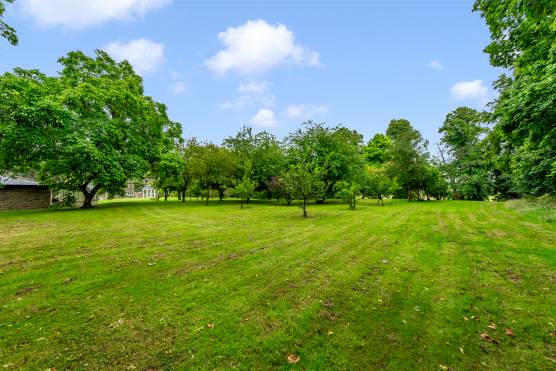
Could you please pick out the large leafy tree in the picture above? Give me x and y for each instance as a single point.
(463, 153)
(408, 157)
(523, 34)
(168, 173)
(377, 150)
(89, 129)
(261, 153)
(6, 31)
(174, 170)
(304, 183)
(245, 188)
(378, 184)
(214, 167)
(335, 152)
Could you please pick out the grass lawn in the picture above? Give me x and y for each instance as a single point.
(155, 285)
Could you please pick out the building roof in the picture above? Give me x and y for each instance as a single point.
(17, 181)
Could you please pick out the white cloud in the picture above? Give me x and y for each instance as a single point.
(179, 88)
(79, 14)
(256, 47)
(435, 65)
(250, 94)
(470, 90)
(264, 118)
(143, 54)
(305, 111)
(254, 87)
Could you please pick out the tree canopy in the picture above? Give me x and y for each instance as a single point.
(91, 128)
(522, 40)
(6, 31)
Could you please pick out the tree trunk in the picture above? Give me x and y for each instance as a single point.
(208, 195)
(89, 196)
(241, 204)
(87, 201)
(409, 194)
(304, 208)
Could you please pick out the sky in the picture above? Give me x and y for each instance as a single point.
(219, 65)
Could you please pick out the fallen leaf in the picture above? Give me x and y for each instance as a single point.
(293, 358)
(442, 367)
(486, 337)
(510, 332)
(461, 350)
(118, 323)
(67, 280)
(330, 332)
(210, 325)
(492, 326)
(465, 318)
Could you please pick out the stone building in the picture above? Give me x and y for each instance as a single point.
(18, 193)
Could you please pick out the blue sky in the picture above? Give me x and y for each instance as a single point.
(272, 65)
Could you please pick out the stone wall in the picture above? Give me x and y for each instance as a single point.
(18, 198)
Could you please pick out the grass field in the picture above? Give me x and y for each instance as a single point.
(154, 285)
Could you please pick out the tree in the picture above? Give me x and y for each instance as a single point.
(213, 166)
(278, 189)
(168, 173)
(522, 41)
(262, 151)
(409, 156)
(186, 172)
(378, 184)
(348, 192)
(6, 31)
(377, 150)
(246, 187)
(434, 183)
(304, 183)
(464, 154)
(335, 152)
(89, 129)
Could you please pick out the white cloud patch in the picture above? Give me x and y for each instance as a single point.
(250, 94)
(434, 64)
(78, 14)
(143, 54)
(254, 88)
(265, 118)
(470, 90)
(179, 88)
(256, 47)
(305, 111)
(178, 84)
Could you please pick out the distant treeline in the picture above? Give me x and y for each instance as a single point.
(91, 129)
